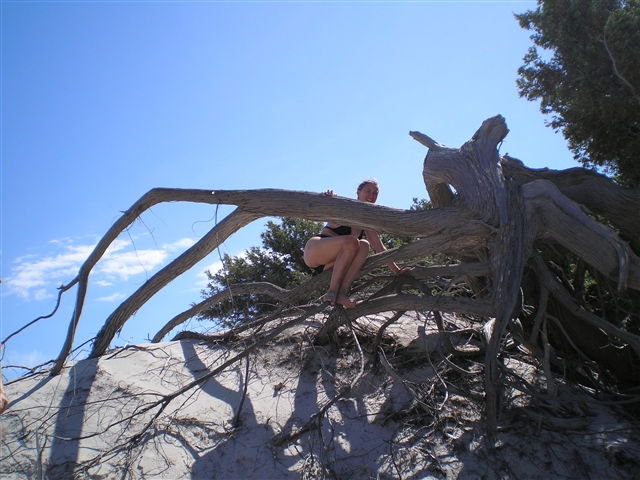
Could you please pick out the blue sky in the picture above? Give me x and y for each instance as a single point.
(102, 101)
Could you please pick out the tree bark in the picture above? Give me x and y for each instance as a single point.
(492, 214)
(526, 207)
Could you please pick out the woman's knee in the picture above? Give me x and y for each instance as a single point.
(350, 243)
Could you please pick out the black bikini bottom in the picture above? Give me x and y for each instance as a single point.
(320, 268)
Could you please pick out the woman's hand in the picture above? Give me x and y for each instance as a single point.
(404, 270)
(3, 401)
(393, 266)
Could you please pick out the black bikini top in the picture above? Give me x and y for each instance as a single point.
(344, 230)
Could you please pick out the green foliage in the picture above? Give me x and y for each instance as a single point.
(590, 85)
(287, 240)
(421, 204)
(280, 262)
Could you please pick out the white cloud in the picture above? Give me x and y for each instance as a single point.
(37, 277)
(112, 298)
(42, 294)
(201, 278)
(33, 272)
(180, 245)
(128, 264)
(25, 359)
(117, 245)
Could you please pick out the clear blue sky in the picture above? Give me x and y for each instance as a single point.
(102, 101)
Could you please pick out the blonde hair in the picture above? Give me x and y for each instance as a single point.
(368, 181)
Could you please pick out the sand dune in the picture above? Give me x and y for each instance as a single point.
(114, 417)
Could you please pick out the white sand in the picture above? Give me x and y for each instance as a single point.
(84, 421)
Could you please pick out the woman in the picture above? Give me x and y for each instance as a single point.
(344, 249)
(3, 399)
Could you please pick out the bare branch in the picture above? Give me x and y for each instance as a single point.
(603, 41)
(258, 288)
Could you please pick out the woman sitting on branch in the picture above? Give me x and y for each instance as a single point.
(344, 249)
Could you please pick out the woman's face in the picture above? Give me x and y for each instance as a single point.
(368, 193)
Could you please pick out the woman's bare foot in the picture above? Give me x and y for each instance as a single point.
(330, 297)
(345, 301)
(3, 402)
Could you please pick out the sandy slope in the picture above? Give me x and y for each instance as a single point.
(95, 421)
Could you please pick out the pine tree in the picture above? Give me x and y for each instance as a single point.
(591, 83)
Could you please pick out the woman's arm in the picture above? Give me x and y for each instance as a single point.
(378, 247)
(3, 399)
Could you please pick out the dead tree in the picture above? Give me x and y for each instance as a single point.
(530, 209)
(510, 228)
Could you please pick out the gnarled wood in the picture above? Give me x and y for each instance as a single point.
(501, 215)
(620, 206)
(258, 288)
(524, 209)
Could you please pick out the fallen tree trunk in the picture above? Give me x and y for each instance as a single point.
(493, 216)
(526, 207)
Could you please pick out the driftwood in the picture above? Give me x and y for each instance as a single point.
(501, 221)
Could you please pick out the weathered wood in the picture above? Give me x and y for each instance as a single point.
(601, 196)
(473, 171)
(559, 218)
(526, 207)
(256, 204)
(555, 288)
(501, 214)
(253, 204)
(258, 288)
(188, 259)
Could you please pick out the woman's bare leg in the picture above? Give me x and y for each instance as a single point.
(337, 252)
(356, 264)
(346, 254)
(341, 267)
